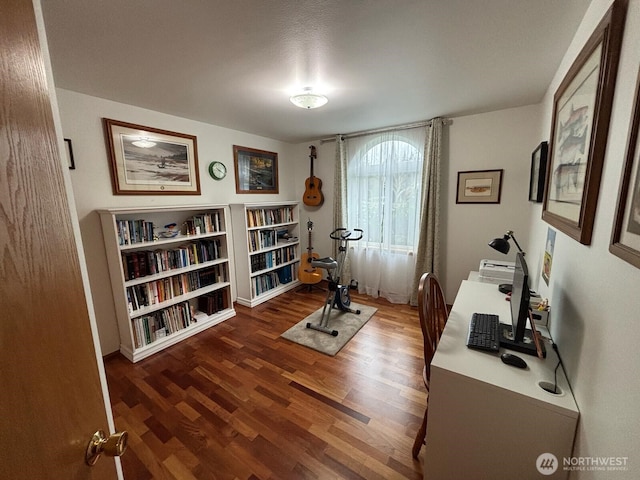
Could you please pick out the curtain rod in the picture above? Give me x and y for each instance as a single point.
(445, 121)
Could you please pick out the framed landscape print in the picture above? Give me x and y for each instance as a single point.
(256, 170)
(580, 125)
(149, 161)
(479, 186)
(625, 237)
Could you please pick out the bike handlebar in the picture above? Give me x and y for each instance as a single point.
(344, 234)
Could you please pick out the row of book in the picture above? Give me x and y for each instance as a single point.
(259, 239)
(204, 223)
(213, 302)
(134, 231)
(147, 262)
(270, 216)
(138, 231)
(273, 258)
(149, 328)
(271, 280)
(158, 291)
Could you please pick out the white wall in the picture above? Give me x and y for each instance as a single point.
(594, 294)
(81, 117)
(498, 140)
(322, 216)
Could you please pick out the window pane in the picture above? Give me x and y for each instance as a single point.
(384, 190)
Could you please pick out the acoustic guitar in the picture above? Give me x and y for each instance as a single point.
(306, 273)
(312, 195)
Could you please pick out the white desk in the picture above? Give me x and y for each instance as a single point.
(487, 419)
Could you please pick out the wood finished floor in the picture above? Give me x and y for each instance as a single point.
(239, 402)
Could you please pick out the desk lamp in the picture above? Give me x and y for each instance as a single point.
(502, 245)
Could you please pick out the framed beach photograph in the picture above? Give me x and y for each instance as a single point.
(625, 237)
(538, 172)
(579, 129)
(479, 186)
(256, 170)
(149, 161)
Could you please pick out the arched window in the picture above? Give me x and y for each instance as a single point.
(384, 180)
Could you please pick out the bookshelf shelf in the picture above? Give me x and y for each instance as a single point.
(267, 250)
(167, 289)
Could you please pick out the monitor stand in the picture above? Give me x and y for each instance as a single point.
(526, 346)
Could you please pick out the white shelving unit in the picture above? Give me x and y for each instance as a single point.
(170, 273)
(267, 250)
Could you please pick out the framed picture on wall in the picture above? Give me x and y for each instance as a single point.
(479, 186)
(538, 172)
(625, 237)
(256, 170)
(579, 129)
(150, 161)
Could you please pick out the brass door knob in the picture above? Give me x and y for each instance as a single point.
(112, 446)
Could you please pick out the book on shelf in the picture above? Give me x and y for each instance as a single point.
(203, 223)
(141, 263)
(213, 302)
(269, 216)
(149, 328)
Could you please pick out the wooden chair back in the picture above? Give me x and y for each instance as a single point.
(433, 313)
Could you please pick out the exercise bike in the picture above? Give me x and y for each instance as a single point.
(338, 295)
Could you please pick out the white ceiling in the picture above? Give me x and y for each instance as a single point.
(234, 63)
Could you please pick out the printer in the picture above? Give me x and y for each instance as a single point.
(496, 271)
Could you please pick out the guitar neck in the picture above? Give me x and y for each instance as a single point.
(312, 156)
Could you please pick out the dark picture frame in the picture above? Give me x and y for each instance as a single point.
(625, 235)
(150, 161)
(256, 170)
(579, 129)
(68, 150)
(538, 172)
(479, 186)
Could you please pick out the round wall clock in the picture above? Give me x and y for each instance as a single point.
(217, 170)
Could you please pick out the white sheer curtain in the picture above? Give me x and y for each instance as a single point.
(384, 173)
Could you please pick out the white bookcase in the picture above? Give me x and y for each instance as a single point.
(266, 248)
(170, 273)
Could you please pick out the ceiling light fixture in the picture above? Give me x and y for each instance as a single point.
(307, 99)
(144, 143)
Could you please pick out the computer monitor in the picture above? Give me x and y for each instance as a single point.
(520, 298)
(517, 336)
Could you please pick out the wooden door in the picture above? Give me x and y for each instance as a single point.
(51, 398)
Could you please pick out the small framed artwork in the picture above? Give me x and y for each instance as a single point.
(547, 261)
(579, 129)
(68, 150)
(538, 171)
(479, 186)
(625, 237)
(256, 170)
(150, 161)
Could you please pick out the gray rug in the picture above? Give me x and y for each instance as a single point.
(347, 324)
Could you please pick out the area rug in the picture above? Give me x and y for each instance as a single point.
(347, 324)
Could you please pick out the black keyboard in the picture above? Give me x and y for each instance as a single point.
(484, 332)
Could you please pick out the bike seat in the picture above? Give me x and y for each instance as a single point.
(327, 263)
